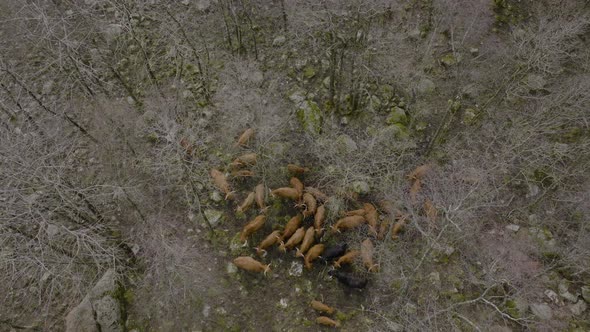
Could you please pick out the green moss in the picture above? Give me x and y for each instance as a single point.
(572, 135)
(470, 116)
(511, 308)
(152, 138)
(341, 316)
(397, 116)
(397, 284)
(308, 72)
(506, 13)
(454, 105)
(543, 177)
(310, 117)
(450, 59)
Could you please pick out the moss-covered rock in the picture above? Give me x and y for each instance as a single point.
(345, 144)
(310, 117)
(469, 117)
(308, 72)
(450, 59)
(397, 116)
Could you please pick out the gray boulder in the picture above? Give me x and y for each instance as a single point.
(100, 310)
(542, 311)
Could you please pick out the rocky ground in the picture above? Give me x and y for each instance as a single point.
(114, 112)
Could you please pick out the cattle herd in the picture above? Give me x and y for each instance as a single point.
(305, 231)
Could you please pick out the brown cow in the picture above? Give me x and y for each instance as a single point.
(320, 196)
(245, 137)
(250, 264)
(247, 159)
(251, 227)
(348, 223)
(321, 307)
(247, 203)
(313, 253)
(297, 184)
(310, 205)
(221, 183)
(318, 220)
(306, 243)
(372, 217)
(291, 226)
(296, 169)
(347, 258)
(367, 251)
(286, 192)
(268, 241)
(323, 320)
(259, 194)
(294, 240)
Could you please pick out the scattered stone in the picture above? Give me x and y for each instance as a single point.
(283, 303)
(387, 91)
(334, 206)
(469, 116)
(296, 269)
(533, 190)
(563, 291)
(586, 293)
(279, 41)
(346, 144)
(326, 82)
(214, 217)
(535, 82)
(578, 308)
(300, 64)
(297, 96)
(474, 51)
(552, 296)
(130, 100)
(391, 135)
(542, 311)
(375, 103)
(186, 94)
(410, 309)
(500, 328)
(360, 187)
(434, 279)
(415, 34)
(81, 318)
(203, 4)
(111, 31)
(394, 327)
(544, 237)
(52, 230)
(470, 91)
(443, 250)
(99, 310)
(216, 197)
(344, 120)
(231, 268)
(135, 249)
(425, 86)
(512, 227)
(206, 310)
(47, 87)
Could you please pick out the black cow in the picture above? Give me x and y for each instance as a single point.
(334, 251)
(348, 279)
